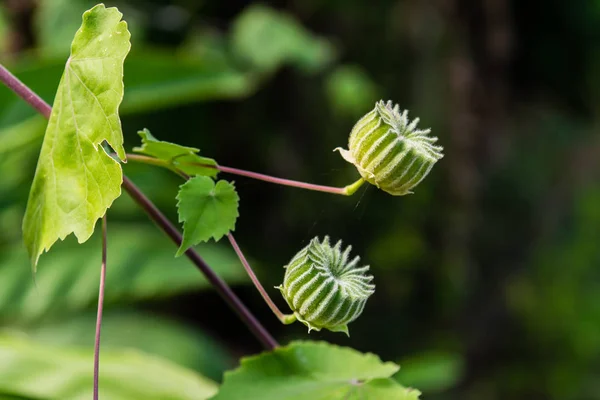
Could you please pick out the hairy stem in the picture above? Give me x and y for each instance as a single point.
(284, 318)
(222, 288)
(344, 191)
(100, 307)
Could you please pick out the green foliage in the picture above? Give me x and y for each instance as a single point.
(185, 159)
(431, 372)
(350, 90)
(56, 20)
(76, 181)
(51, 372)
(313, 370)
(207, 210)
(151, 334)
(141, 267)
(268, 39)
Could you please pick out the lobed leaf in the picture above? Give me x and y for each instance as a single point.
(207, 210)
(315, 371)
(185, 159)
(76, 181)
(32, 370)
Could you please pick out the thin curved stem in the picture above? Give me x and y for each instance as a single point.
(222, 288)
(284, 318)
(344, 191)
(100, 307)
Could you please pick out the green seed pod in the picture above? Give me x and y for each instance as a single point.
(324, 288)
(389, 151)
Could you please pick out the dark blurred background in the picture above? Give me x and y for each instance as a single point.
(488, 277)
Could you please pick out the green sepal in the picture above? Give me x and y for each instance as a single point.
(185, 159)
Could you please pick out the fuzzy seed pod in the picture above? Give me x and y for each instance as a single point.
(324, 288)
(389, 151)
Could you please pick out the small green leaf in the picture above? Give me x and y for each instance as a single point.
(183, 158)
(30, 369)
(76, 181)
(206, 210)
(316, 371)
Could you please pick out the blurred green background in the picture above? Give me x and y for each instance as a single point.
(488, 277)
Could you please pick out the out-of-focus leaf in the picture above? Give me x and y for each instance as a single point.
(316, 371)
(40, 371)
(3, 31)
(153, 80)
(76, 181)
(56, 22)
(431, 372)
(22, 134)
(268, 39)
(151, 334)
(141, 265)
(207, 210)
(185, 159)
(350, 91)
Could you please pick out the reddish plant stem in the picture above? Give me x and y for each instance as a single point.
(344, 191)
(100, 307)
(284, 318)
(281, 181)
(222, 288)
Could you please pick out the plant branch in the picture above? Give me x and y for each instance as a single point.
(284, 318)
(222, 288)
(225, 291)
(100, 307)
(344, 191)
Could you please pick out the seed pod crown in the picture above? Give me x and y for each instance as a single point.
(389, 151)
(324, 288)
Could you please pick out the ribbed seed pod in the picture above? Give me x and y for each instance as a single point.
(324, 288)
(389, 151)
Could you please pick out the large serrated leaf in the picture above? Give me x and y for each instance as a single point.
(185, 159)
(29, 369)
(206, 210)
(76, 181)
(315, 371)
